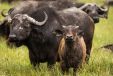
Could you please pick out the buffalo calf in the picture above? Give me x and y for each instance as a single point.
(72, 49)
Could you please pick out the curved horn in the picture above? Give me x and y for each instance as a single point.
(37, 22)
(84, 6)
(2, 13)
(103, 9)
(8, 18)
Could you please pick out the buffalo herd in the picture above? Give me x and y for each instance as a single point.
(53, 31)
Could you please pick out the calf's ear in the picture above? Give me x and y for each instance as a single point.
(58, 32)
(80, 33)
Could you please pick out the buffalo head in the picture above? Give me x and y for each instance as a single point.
(21, 26)
(69, 33)
(95, 11)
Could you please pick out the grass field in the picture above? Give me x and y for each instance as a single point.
(15, 61)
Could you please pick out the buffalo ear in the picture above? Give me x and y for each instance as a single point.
(10, 11)
(58, 32)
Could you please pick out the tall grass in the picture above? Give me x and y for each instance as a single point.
(15, 61)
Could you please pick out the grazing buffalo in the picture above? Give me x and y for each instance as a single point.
(74, 16)
(35, 30)
(72, 49)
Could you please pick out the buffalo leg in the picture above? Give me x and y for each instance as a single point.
(33, 59)
(75, 69)
(52, 57)
(64, 68)
(88, 49)
(51, 62)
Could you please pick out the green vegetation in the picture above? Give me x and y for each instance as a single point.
(15, 61)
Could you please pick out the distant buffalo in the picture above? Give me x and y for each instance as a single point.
(95, 12)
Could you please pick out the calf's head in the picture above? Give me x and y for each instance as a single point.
(20, 27)
(95, 11)
(70, 33)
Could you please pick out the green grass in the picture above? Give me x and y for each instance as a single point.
(15, 61)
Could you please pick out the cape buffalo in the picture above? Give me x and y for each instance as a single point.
(74, 16)
(35, 30)
(95, 12)
(72, 49)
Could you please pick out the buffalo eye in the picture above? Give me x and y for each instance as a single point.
(88, 11)
(20, 28)
(80, 33)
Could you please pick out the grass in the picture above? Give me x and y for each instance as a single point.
(15, 61)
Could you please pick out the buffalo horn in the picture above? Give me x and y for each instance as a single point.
(32, 20)
(2, 13)
(84, 6)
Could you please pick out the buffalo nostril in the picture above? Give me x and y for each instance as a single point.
(69, 37)
(12, 36)
(95, 17)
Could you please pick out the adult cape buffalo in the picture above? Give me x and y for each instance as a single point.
(35, 30)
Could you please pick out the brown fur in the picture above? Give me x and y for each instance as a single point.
(86, 24)
(82, 43)
(61, 48)
(62, 52)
